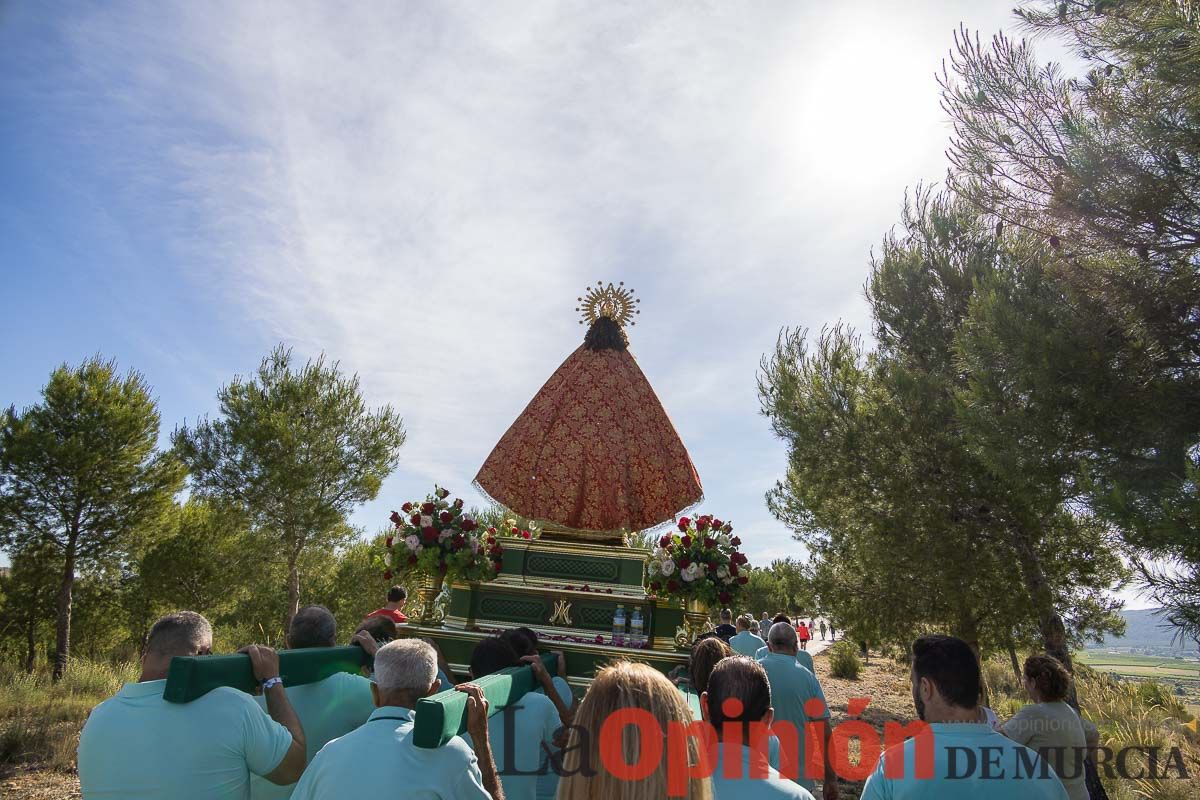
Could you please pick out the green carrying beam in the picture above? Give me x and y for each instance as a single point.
(444, 715)
(190, 677)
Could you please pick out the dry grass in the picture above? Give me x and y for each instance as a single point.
(40, 720)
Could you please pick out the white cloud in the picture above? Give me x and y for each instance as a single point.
(421, 190)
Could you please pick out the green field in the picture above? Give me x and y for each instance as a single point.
(1135, 666)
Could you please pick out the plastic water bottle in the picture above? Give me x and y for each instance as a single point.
(618, 634)
(636, 639)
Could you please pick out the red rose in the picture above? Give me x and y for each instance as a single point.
(672, 586)
(717, 524)
(683, 523)
(710, 542)
(743, 580)
(412, 559)
(683, 562)
(387, 542)
(458, 503)
(443, 493)
(491, 531)
(655, 586)
(701, 523)
(407, 508)
(429, 533)
(712, 566)
(396, 518)
(526, 535)
(445, 517)
(387, 574)
(664, 541)
(686, 541)
(724, 597)
(415, 519)
(733, 569)
(735, 541)
(428, 508)
(469, 524)
(457, 540)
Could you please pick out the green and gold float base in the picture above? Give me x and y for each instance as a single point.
(568, 592)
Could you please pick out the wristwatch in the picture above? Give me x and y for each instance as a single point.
(269, 682)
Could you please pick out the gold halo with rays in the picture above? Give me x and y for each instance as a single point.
(615, 302)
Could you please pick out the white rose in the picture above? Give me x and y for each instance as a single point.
(668, 567)
(722, 571)
(426, 522)
(654, 568)
(387, 559)
(445, 534)
(474, 545)
(412, 543)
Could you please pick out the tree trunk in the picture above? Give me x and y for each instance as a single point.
(30, 643)
(293, 587)
(62, 640)
(1016, 664)
(1054, 636)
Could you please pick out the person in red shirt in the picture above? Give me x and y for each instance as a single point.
(803, 634)
(396, 597)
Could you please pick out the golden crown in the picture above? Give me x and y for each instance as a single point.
(615, 302)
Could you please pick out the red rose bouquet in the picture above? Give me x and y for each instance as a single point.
(699, 562)
(436, 538)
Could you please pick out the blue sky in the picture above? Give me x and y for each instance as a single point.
(421, 191)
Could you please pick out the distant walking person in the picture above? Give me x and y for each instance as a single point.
(822, 630)
(832, 632)
(396, 597)
(803, 634)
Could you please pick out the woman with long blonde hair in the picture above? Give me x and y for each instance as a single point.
(627, 685)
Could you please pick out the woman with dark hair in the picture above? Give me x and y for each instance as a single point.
(705, 655)
(1049, 725)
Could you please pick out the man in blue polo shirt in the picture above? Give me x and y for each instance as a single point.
(803, 656)
(328, 708)
(797, 699)
(137, 745)
(379, 759)
(744, 642)
(738, 695)
(522, 735)
(959, 756)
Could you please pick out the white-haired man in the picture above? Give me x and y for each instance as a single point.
(792, 687)
(137, 745)
(745, 642)
(380, 757)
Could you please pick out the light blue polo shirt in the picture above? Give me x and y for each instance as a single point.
(803, 656)
(379, 758)
(327, 709)
(137, 745)
(792, 685)
(547, 783)
(517, 735)
(746, 643)
(746, 787)
(969, 760)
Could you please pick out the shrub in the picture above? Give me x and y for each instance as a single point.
(844, 661)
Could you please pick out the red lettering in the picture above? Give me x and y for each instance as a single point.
(646, 748)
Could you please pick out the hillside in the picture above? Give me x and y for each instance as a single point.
(1146, 632)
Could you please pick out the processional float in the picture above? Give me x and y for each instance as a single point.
(592, 459)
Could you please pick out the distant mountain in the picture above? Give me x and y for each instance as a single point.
(1146, 629)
